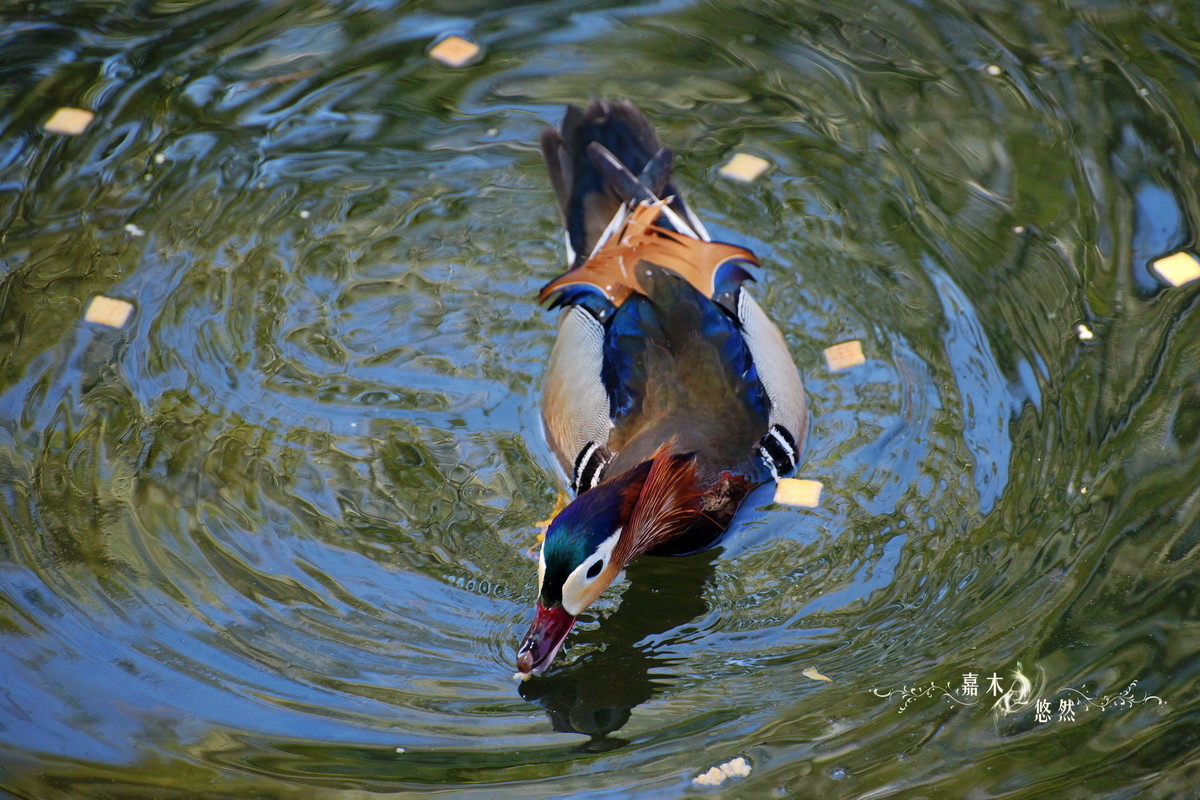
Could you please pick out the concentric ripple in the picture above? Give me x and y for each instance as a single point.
(270, 538)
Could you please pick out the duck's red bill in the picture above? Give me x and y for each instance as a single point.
(550, 627)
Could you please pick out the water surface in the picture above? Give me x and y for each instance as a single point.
(269, 538)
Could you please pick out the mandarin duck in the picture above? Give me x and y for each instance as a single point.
(669, 394)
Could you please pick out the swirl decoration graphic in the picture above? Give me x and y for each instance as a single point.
(1020, 694)
(1123, 699)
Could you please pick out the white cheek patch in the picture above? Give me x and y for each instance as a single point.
(576, 588)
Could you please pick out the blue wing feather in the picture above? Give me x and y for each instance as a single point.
(673, 319)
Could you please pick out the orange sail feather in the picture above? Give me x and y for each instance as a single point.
(613, 268)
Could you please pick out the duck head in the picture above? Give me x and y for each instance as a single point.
(595, 536)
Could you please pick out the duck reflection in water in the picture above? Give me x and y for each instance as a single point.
(596, 694)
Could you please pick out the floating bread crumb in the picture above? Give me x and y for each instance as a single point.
(108, 311)
(734, 768)
(522, 676)
(812, 674)
(798, 492)
(454, 51)
(1084, 332)
(844, 355)
(71, 121)
(1178, 268)
(744, 167)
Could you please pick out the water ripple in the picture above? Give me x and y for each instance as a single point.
(270, 537)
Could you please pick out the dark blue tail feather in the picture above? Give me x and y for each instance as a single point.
(601, 158)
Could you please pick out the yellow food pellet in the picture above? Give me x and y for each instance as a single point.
(798, 492)
(744, 167)
(108, 311)
(71, 121)
(1178, 269)
(812, 674)
(734, 768)
(844, 355)
(454, 51)
(714, 777)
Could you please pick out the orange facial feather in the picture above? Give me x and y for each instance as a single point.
(668, 503)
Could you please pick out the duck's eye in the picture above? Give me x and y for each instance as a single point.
(595, 568)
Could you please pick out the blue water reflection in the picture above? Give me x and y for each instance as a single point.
(270, 537)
